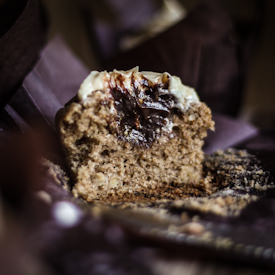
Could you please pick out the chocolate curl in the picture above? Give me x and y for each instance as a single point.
(22, 37)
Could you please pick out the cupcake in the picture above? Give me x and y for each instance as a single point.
(134, 134)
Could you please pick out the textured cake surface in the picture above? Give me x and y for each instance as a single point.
(130, 134)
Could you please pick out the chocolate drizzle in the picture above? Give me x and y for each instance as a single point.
(144, 111)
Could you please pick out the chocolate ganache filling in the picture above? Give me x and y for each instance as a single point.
(145, 111)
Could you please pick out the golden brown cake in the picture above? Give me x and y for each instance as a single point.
(129, 134)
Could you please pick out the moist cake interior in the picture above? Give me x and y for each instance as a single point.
(131, 135)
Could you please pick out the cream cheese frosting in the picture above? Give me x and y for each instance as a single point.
(106, 80)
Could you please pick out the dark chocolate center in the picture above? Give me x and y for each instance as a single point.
(143, 114)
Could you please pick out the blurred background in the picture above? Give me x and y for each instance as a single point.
(100, 32)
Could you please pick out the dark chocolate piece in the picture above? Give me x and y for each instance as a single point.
(142, 115)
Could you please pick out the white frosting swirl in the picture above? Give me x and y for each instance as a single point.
(104, 80)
